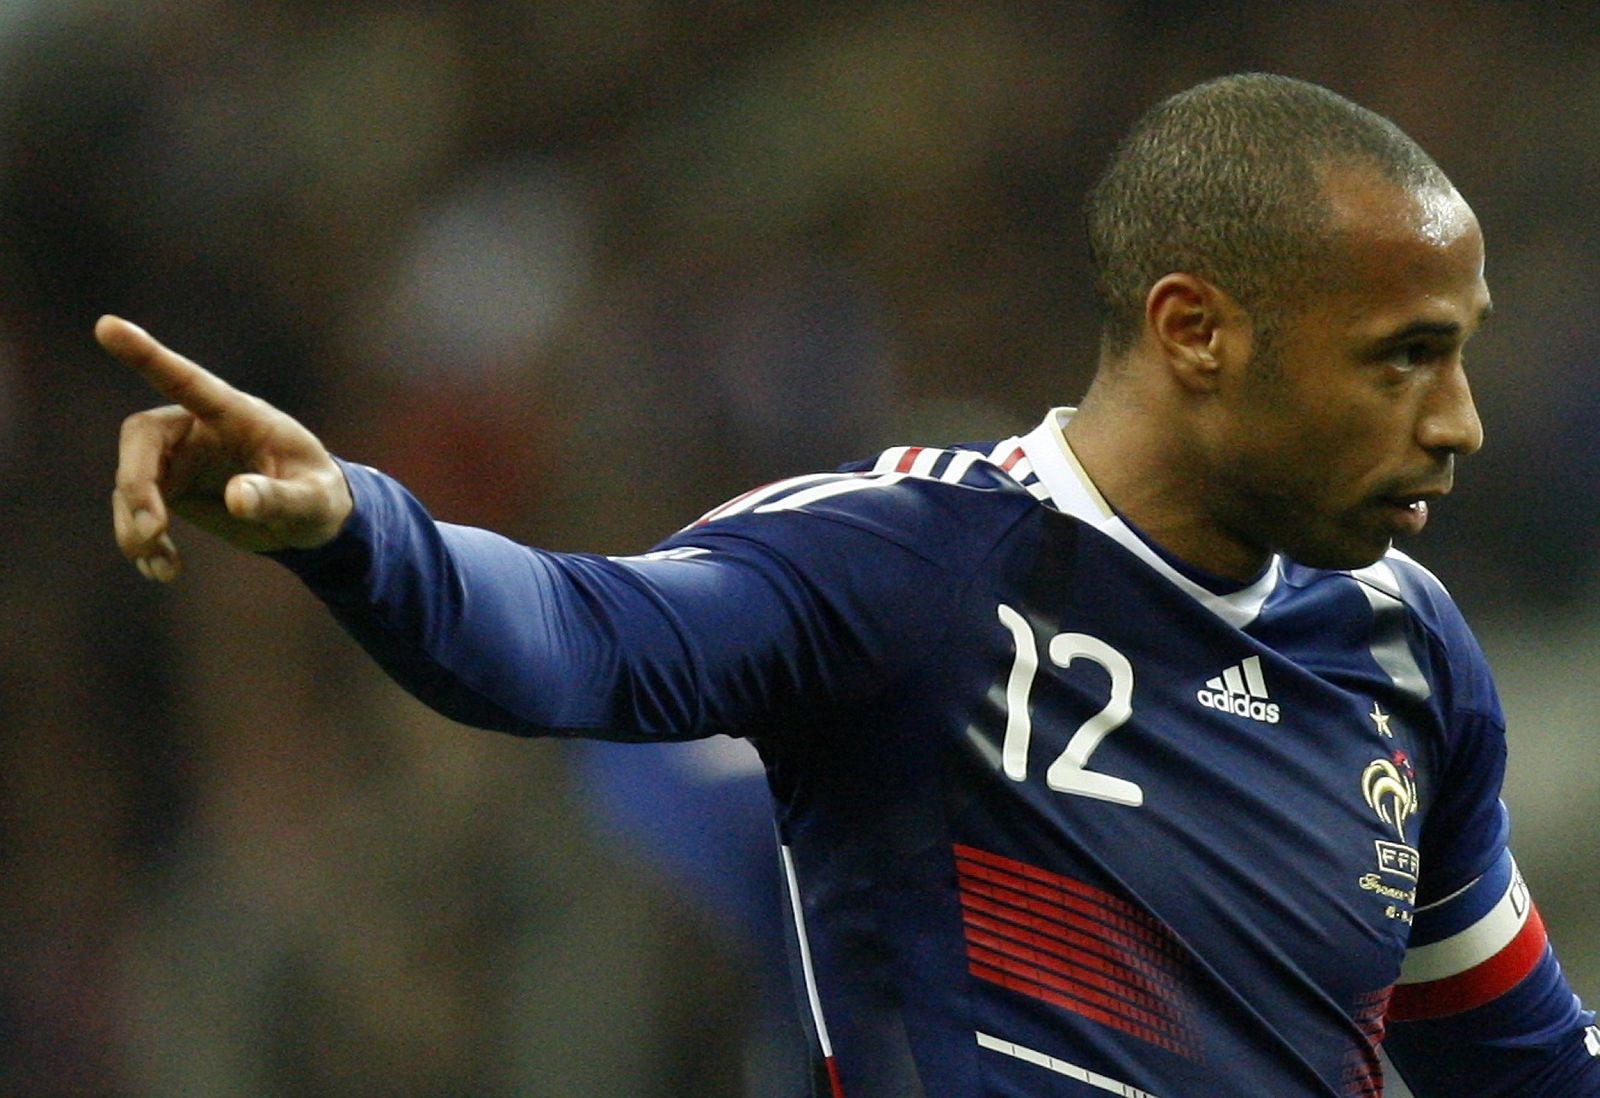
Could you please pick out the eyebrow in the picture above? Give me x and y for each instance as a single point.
(1445, 329)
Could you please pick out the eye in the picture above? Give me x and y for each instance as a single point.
(1415, 354)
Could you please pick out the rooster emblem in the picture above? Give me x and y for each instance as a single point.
(1390, 788)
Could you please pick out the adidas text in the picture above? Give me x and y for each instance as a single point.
(1239, 705)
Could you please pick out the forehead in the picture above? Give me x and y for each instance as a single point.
(1400, 255)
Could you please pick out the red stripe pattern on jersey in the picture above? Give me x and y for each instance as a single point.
(1073, 946)
(1363, 1071)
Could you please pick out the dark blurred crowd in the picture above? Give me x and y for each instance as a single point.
(578, 271)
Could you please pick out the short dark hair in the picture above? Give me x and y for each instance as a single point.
(1225, 181)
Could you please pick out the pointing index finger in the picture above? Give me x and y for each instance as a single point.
(169, 373)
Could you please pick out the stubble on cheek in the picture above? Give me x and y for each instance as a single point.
(1262, 505)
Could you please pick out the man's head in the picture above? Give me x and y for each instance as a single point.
(1289, 284)
(1225, 181)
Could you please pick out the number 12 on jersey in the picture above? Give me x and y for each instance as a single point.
(1069, 773)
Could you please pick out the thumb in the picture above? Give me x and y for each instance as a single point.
(299, 508)
(247, 495)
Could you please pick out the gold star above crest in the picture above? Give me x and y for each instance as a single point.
(1381, 719)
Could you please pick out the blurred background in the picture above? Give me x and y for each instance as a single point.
(579, 271)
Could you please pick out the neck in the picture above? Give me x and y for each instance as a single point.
(1146, 464)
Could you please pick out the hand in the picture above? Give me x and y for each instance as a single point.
(228, 462)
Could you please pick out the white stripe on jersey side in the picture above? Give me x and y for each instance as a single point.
(805, 952)
(1061, 1067)
(1476, 944)
(1394, 1085)
(1381, 576)
(852, 482)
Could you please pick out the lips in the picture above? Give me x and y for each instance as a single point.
(1410, 517)
(1408, 512)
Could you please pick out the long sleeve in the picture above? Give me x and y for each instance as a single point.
(1483, 1008)
(725, 635)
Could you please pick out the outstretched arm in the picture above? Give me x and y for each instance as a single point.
(734, 628)
(228, 462)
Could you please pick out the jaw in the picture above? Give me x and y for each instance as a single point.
(1355, 535)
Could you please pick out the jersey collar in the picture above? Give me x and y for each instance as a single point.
(1073, 493)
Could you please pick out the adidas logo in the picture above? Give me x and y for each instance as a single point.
(1242, 691)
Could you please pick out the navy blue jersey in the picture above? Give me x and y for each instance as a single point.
(1057, 817)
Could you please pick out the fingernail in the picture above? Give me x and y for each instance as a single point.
(144, 567)
(161, 568)
(249, 498)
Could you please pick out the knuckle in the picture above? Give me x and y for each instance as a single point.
(134, 425)
(127, 485)
(147, 422)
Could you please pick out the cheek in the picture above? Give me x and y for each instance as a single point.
(1320, 464)
(1349, 429)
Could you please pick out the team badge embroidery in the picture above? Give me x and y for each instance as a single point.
(1389, 786)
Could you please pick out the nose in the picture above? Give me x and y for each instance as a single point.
(1449, 421)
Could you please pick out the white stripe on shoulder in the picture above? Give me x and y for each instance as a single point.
(891, 466)
(742, 503)
(924, 462)
(857, 482)
(922, 466)
(1389, 647)
(890, 458)
(959, 464)
(1004, 449)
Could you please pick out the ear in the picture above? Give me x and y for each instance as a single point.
(1200, 330)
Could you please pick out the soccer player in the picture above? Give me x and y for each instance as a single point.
(1126, 756)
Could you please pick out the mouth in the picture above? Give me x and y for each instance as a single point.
(1409, 517)
(1407, 512)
